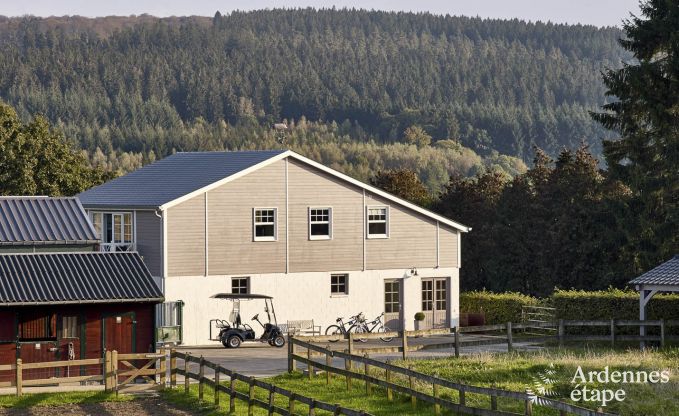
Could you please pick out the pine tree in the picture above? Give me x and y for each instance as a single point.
(646, 115)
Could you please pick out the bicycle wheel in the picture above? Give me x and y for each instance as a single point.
(358, 329)
(334, 330)
(383, 329)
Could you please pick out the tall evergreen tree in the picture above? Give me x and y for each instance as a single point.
(646, 115)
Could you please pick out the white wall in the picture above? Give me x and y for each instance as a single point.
(301, 296)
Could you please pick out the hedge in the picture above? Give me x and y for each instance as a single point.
(611, 303)
(570, 305)
(498, 307)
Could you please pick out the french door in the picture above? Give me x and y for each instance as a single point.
(392, 305)
(435, 302)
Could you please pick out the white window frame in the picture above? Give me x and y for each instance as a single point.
(346, 285)
(368, 222)
(255, 224)
(115, 246)
(320, 237)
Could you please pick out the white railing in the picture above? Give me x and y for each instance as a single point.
(117, 247)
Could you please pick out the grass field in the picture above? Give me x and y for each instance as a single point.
(53, 399)
(515, 371)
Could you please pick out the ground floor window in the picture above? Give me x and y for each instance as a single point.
(392, 296)
(240, 285)
(37, 326)
(69, 327)
(339, 284)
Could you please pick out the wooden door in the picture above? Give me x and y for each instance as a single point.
(435, 302)
(119, 332)
(37, 352)
(392, 305)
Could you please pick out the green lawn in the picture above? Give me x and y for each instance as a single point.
(53, 399)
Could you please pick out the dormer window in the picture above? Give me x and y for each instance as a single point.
(115, 229)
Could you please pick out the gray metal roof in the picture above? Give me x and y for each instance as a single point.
(28, 220)
(665, 274)
(171, 178)
(87, 277)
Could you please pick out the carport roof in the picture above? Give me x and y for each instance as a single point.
(667, 274)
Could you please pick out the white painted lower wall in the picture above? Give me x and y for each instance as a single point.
(300, 296)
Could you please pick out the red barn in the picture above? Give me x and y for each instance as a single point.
(59, 298)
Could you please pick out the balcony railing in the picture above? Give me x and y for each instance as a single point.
(117, 247)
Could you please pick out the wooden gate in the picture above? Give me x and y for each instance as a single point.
(127, 369)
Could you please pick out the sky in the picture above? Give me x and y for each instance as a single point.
(592, 12)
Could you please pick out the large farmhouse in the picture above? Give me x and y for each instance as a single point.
(60, 297)
(323, 244)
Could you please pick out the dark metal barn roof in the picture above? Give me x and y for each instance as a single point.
(87, 277)
(28, 220)
(665, 274)
(171, 178)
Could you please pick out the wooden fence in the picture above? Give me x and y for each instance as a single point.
(116, 371)
(249, 398)
(413, 378)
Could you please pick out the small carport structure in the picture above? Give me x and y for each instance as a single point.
(664, 278)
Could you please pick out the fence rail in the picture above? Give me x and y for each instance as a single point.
(413, 376)
(249, 398)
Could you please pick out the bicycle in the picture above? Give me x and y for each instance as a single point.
(341, 327)
(377, 326)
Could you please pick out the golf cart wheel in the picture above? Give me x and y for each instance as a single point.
(278, 342)
(234, 341)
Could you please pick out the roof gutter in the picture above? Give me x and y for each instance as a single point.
(79, 302)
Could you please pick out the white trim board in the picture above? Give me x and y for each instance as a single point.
(323, 168)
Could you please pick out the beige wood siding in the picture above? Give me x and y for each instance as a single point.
(186, 238)
(448, 242)
(307, 188)
(231, 249)
(411, 242)
(149, 240)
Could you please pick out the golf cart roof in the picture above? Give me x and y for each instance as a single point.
(240, 296)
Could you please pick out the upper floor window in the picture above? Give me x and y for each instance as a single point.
(378, 222)
(264, 224)
(115, 229)
(320, 223)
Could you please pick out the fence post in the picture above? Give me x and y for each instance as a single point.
(19, 376)
(328, 363)
(312, 408)
(493, 400)
(366, 368)
(271, 403)
(114, 370)
(435, 394)
(510, 341)
(292, 366)
(107, 370)
(218, 370)
(163, 367)
(173, 367)
(351, 343)
(404, 344)
(387, 377)
(291, 404)
(529, 407)
(201, 374)
(612, 333)
(186, 373)
(662, 333)
(463, 400)
(347, 366)
(310, 368)
(251, 397)
(457, 342)
(562, 332)
(411, 384)
(232, 394)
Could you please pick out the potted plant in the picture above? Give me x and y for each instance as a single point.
(419, 317)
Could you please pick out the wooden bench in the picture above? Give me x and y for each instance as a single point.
(303, 327)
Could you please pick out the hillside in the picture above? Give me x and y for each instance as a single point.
(141, 84)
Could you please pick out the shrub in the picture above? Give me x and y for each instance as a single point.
(419, 316)
(497, 307)
(611, 303)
